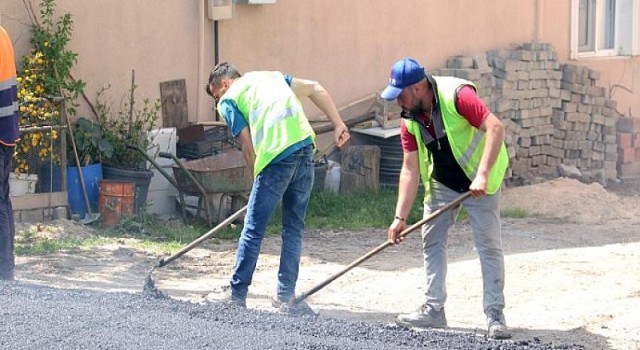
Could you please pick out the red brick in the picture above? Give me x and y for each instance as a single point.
(637, 158)
(625, 140)
(626, 155)
(636, 140)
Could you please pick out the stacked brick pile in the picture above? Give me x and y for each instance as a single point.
(629, 147)
(585, 125)
(553, 114)
(472, 68)
(526, 92)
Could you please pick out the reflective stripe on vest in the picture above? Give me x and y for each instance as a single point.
(8, 102)
(274, 114)
(466, 141)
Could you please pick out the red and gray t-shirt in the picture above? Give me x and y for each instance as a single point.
(445, 168)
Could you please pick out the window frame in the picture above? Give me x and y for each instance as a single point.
(625, 44)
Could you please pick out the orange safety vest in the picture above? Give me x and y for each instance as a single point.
(9, 132)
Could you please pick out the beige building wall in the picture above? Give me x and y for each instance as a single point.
(620, 75)
(349, 46)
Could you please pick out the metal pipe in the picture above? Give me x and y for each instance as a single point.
(539, 19)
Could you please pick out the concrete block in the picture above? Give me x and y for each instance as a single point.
(610, 147)
(539, 74)
(613, 104)
(579, 126)
(480, 62)
(468, 74)
(609, 139)
(523, 55)
(584, 108)
(597, 119)
(592, 136)
(578, 117)
(460, 62)
(501, 106)
(597, 155)
(569, 107)
(521, 166)
(575, 88)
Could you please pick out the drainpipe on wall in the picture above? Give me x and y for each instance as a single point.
(215, 43)
(201, 22)
(539, 20)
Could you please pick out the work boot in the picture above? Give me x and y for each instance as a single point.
(225, 295)
(425, 317)
(496, 325)
(300, 308)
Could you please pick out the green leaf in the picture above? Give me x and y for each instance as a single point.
(106, 148)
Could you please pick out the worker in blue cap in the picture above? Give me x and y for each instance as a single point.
(454, 143)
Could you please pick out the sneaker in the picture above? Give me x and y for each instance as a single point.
(425, 317)
(497, 327)
(300, 308)
(225, 296)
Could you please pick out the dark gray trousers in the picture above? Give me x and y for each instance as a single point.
(7, 228)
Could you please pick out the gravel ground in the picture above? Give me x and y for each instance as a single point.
(35, 317)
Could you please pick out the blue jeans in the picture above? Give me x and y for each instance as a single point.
(290, 180)
(7, 229)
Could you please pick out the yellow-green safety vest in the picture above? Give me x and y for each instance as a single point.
(467, 142)
(272, 111)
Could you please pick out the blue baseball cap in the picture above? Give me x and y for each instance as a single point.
(405, 72)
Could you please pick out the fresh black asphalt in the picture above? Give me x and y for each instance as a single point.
(36, 317)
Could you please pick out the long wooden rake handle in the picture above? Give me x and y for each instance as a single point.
(227, 221)
(381, 247)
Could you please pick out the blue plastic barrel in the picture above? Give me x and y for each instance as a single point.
(92, 176)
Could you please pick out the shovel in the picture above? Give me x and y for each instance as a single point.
(381, 247)
(89, 216)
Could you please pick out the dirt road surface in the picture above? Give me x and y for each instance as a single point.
(572, 269)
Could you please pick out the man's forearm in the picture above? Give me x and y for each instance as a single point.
(494, 136)
(324, 102)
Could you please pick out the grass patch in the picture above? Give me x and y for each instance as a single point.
(339, 211)
(43, 246)
(150, 229)
(514, 213)
(350, 211)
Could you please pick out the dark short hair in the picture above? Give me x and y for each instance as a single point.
(224, 70)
